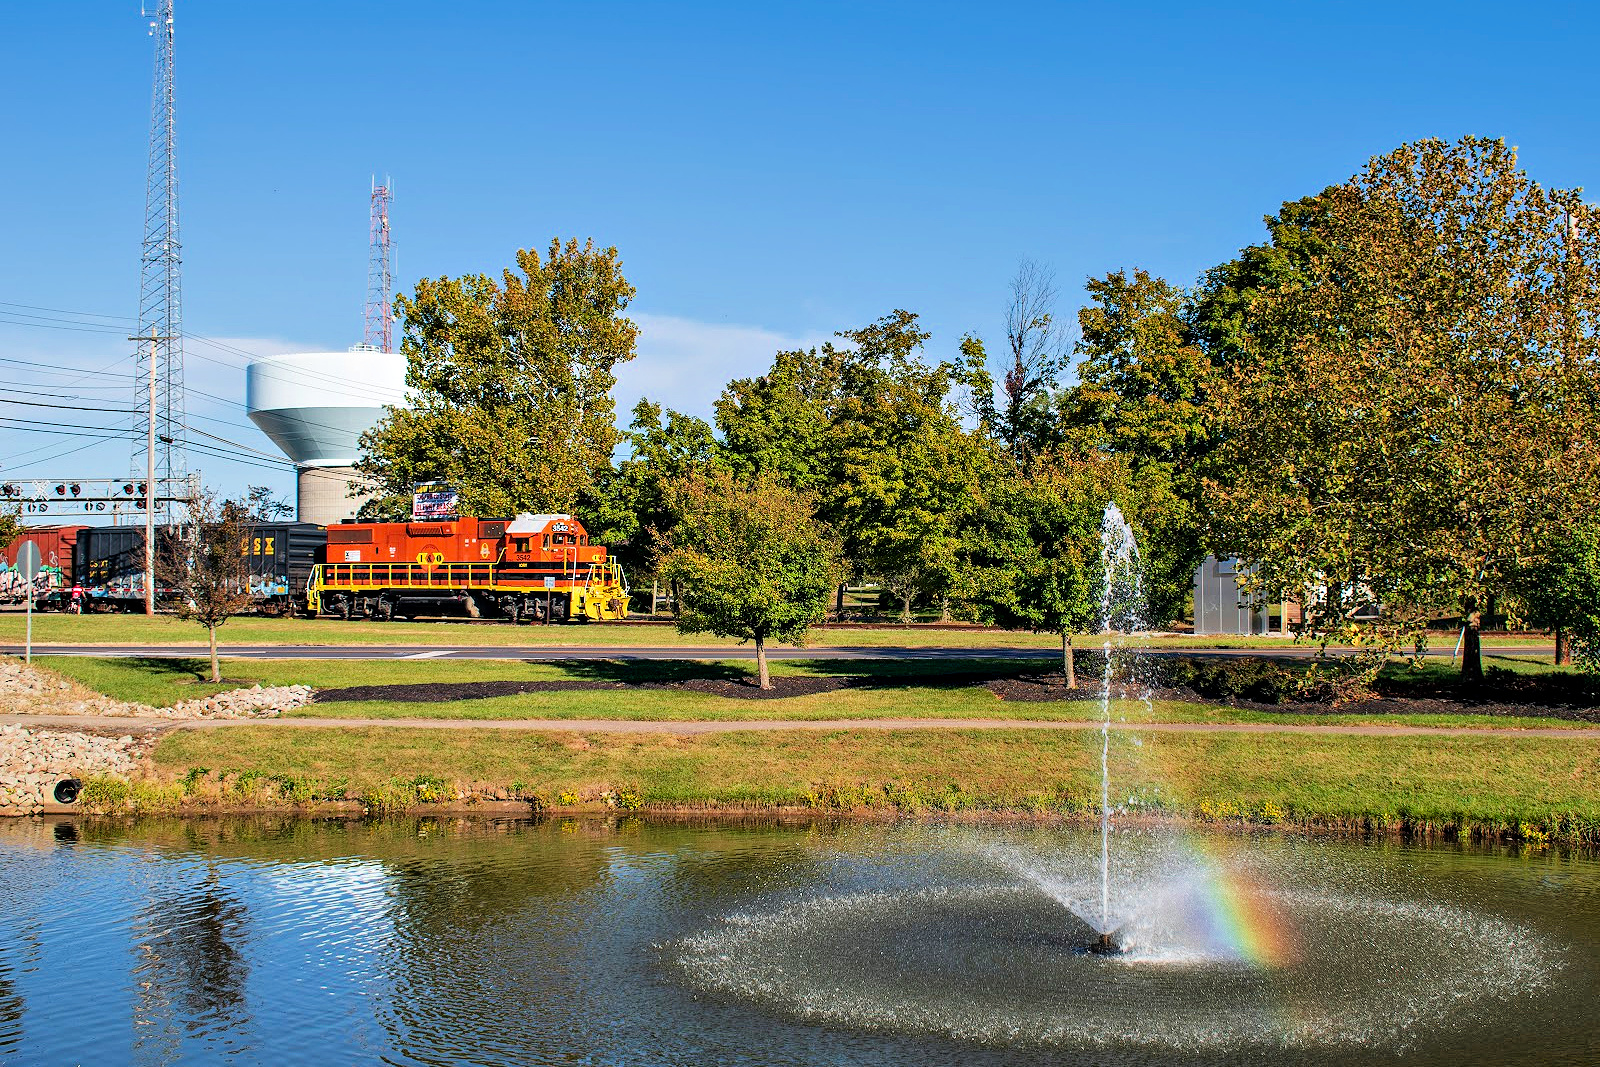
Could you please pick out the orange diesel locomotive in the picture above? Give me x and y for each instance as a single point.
(530, 568)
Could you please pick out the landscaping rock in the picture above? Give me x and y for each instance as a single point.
(33, 761)
(26, 689)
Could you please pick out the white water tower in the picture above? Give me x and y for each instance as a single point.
(315, 406)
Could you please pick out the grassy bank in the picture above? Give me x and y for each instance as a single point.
(1528, 788)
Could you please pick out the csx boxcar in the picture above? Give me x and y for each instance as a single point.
(282, 555)
(533, 567)
(109, 563)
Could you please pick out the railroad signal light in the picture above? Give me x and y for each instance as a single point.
(75, 489)
(127, 488)
(10, 489)
(61, 490)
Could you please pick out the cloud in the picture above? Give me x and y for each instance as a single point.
(683, 364)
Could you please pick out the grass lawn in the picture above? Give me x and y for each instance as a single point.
(51, 628)
(1492, 784)
(894, 689)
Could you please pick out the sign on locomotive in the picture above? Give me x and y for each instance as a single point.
(530, 568)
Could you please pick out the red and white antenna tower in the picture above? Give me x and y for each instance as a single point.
(380, 271)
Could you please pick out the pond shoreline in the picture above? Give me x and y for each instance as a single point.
(1354, 825)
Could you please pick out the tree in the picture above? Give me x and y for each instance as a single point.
(1036, 565)
(510, 385)
(777, 425)
(870, 429)
(628, 506)
(1561, 591)
(1406, 419)
(749, 560)
(209, 572)
(1037, 351)
(10, 525)
(1142, 395)
(263, 504)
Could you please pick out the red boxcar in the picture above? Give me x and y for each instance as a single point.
(55, 555)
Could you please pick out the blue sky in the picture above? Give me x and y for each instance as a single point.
(769, 173)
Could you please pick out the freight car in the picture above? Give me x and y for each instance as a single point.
(530, 568)
(51, 587)
(282, 556)
(108, 562)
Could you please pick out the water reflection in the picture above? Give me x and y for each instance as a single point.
(503, 941)
(190, 973)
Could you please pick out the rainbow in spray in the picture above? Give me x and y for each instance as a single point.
(1244, 918)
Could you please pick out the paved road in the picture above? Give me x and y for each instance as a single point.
(549, 653)
(129, 724)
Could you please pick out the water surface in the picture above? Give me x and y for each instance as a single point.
(595, 942)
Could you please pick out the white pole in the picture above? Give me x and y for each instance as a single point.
(27, 654)
(150, 493)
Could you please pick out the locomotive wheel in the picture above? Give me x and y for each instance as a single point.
(384, 610)
(559, 608)
(342, 608)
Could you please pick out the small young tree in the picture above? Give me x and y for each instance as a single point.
(1036, 564)
(209, 572)
(749, 561)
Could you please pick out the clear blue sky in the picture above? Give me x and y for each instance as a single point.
(769, 173)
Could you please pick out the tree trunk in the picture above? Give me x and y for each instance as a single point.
(762, 677)
(655, 595)
(675, 600)
(1563, 648)
(838, 603)
(216, 668)
(905, 610)
(1491, 614)
(1069, 668)
(1472, 644)
(944, 607)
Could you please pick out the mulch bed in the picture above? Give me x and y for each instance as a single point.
(1021, 688)
(445, 692)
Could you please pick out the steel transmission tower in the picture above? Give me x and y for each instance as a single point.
(380, 272)
(159, 449)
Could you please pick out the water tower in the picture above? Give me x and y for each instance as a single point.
(316, 405)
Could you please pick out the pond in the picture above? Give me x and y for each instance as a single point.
(629, 942)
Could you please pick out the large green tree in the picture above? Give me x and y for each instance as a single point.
(510, 384)
(1409, 415)
(629, 507)
(1142, 395)
(870, 428)
(748, 559)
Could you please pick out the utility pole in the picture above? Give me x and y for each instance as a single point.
(150, 482)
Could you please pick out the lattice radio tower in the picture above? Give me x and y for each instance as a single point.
(380, 271)
(159, 404)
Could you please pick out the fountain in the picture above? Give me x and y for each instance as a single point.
(1015, 938)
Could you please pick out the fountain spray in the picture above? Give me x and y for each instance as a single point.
(1119, 611)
